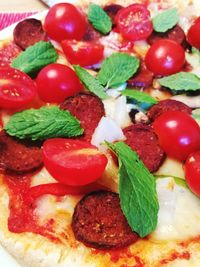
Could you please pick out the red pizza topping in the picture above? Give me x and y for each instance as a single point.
(7, 53)
(112, 10)
(193, 35)
(90, 34)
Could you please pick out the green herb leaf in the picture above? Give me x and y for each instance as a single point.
(90, 82)
(117, 68)
(165, 20)
(43, 123)
(35, 57)
(140, 97)
(182, 81)
(99, 19)
(137, 190)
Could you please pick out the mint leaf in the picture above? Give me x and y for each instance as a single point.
(137, 190)
(35, 57)
(90, 82)
(99, 19)
(117, 68)
(182, 81)
(165, 20)
(43, 123)
(139, 96)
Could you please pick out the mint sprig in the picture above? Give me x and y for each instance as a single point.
(137, 190)
(139, 96)
(165, 20)
(43, 123)
(99, 19)
(35, 57)
(117, 68)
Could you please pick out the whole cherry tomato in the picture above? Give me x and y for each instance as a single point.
(55, 82)
(64, 21)
(192, 172)
(82, 53)
(165, 57)
(193, 35)
(178, 134)
(134, 22)
(73, 162)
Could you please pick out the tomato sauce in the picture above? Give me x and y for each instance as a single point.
(176, 255)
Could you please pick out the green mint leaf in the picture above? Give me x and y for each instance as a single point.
(137, 190)
(99, 19)
(165, 20)
(182, 81)
(43, 123)
(139, 96)
(117, 69)
(35, 57)
(90, 82)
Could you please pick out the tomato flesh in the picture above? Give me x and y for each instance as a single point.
(73, 162)
(82, 53)
(193, 35)
(134, 22)
(55, 82)
(178, 133)
(16, 88)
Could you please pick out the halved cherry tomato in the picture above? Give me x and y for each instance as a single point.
(73, 162)
(16, 88)
(82, 53)
(193, 35)
(192, 172)
(55, 82)
(165, 57)
(178, 134)
(134, 22)
(64, 21)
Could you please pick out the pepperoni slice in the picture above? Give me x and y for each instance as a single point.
(167, 105)
(88, 109)
(99, 222)
(28, 32)
(18, 157)
(143, 140)
(7, 53)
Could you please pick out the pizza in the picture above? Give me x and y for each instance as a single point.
(100, 135)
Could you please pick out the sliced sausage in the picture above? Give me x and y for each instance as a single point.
(99, 222)
(28, 32)
(8, 53)
(167, 105)
(142, 139)
(18, 157)
(88, 109)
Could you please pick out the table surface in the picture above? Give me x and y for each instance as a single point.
(21, 5)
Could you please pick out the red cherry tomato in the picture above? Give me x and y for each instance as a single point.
(16, 88)
(134, 22)
(165, 57)
(73, 162)
(193, 35)
(55, 82)
(178, 133)
(192, 172)
(64, 21)
(82, 53)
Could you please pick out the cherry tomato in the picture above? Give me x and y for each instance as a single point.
(134, 22)
(192, 172)
(82, 53)
(165, 57)
(55, 82)
(178, 134)
(193, 35)
(16, 88)
(64, 21)
(73, 162)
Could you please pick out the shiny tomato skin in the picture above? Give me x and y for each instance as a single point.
(73, 162)
(16, 88)
(134, 22)
(82, 53)
(178, 134)
(165, 57)
(193, 35)
(55, 82)
(192, 172)
(65, 21)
